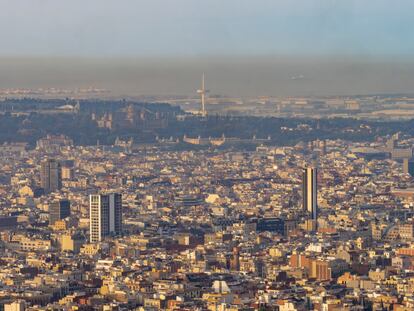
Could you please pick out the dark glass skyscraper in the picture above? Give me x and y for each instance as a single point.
(50, 175)
(59, 210)
(310, 192)
(408, 166)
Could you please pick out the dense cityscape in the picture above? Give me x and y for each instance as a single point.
(206, 223)
(210, 155)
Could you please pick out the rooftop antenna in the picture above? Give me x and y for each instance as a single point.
(203, 93)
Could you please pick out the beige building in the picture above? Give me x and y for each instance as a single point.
(18, 305)
(71, 243)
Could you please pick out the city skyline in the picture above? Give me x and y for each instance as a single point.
(186, 155)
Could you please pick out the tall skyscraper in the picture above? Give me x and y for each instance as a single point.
(105, 215)
(50, 175)
(58, 210)
(408, 166)
(310, 192)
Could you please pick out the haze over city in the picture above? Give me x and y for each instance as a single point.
(216, 155)
(231, 76)
(160, 47)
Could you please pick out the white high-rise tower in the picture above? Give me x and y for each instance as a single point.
(203, 93)
(105, 216)
(310, 192)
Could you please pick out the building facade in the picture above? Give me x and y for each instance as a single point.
(58, 210)
(50, 176)
(310, 192)
(408, 166)
(105, 216)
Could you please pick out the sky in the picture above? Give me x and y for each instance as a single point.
(245, 47)
(148, 28)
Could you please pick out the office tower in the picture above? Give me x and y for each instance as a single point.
(105, 216)
(405, 165)
(50, 176)
(310, 192)
(408, 166)
(58, 210)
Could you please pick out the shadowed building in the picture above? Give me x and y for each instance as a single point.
(408, 166)
(58, 210)
(50, 176)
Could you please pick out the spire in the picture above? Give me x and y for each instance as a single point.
(202, 93)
